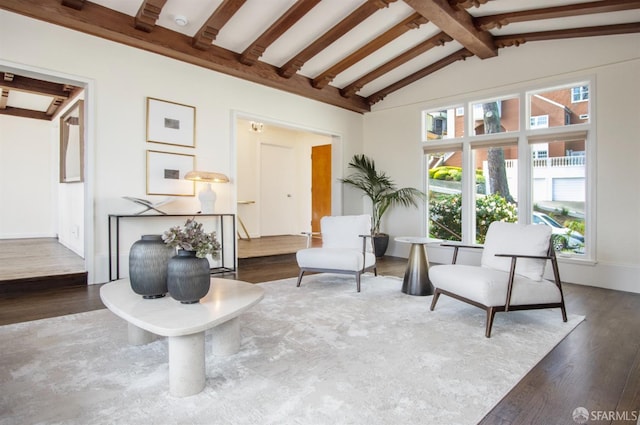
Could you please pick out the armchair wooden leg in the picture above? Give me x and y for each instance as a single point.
(358, 281)
(375, 271)
(436, 295)
(300, 278)
(491, 313)
(564, 313)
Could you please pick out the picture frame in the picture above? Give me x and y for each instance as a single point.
(166, 171)
(72, 144)
(171, 123)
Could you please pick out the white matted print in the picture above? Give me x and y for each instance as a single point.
(166, 171)
(171, 123)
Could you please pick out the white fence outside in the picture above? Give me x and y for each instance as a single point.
(560, 178)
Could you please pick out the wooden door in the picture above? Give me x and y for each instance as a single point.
(320, 184)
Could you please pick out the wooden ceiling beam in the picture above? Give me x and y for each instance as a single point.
(209, 31)
(33, 86)
(437, 40)
(25, 113)
(109, 24)
(498, 21)
(4, 98)
(54, 105)
(279, 27)
(458, 24)
(148, 14)
(412, 22)
(467, 3)
(461, 54)
(507, 41)
(353, 19)
(75, 4)
(518, 39)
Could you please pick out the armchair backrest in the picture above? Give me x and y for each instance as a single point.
(514, 238)
(344, 231)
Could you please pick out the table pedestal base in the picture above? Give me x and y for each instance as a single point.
(225, 338)
(416, 277)
(187, 354)
(138, 336)
(186, 364)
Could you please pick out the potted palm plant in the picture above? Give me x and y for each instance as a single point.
(382, 192)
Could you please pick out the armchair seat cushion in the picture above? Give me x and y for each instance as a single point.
(334, 258)
(489, 286)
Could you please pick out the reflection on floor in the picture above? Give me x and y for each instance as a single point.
(273, 245)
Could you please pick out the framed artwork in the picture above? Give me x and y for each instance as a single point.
(72, 144)
(171, 123)
(166, 171)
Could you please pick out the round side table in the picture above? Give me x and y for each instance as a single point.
(416, 277)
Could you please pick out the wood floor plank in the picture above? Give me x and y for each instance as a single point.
(25, 258)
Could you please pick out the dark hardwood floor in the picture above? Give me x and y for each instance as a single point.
(597, 366)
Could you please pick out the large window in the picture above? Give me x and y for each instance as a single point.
(484, 167)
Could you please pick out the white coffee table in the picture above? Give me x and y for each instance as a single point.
(185, 325)
(416, 276)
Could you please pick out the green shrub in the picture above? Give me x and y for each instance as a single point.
(446, 211)
(575, 225)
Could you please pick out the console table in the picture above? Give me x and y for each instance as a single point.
(225, 223)
(185, 325)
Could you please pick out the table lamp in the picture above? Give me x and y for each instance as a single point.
(206, 196)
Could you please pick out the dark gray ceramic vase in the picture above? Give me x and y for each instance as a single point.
(188, 277)
(148, 260)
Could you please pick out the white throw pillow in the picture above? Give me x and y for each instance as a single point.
(514, 238)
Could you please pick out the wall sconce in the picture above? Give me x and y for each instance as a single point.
(257, 127)
(207, 196)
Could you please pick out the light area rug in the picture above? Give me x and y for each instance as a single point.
(318, 354)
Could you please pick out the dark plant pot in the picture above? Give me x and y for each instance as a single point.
(188, 277)
(148, 259)
(380, 244)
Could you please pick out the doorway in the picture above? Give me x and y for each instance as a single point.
(69, 204)
(274, 182)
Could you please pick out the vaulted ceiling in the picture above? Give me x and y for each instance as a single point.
(347, 53)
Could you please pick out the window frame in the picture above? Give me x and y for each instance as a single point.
(523, 136)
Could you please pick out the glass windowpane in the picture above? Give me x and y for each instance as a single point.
(443, 124)
(562, 106)
(445, 195)
(499, 116)
(496, 187)
(559, 195)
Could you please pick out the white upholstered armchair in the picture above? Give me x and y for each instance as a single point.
(346, 248)
(510, 273)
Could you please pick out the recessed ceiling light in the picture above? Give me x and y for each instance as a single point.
(180, 20)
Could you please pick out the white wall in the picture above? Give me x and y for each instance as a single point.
(615, 63)
(122, 78)
(28, 178)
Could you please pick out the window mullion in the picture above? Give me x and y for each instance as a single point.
(468, 200)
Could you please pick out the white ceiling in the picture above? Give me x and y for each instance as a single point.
(255, 16)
